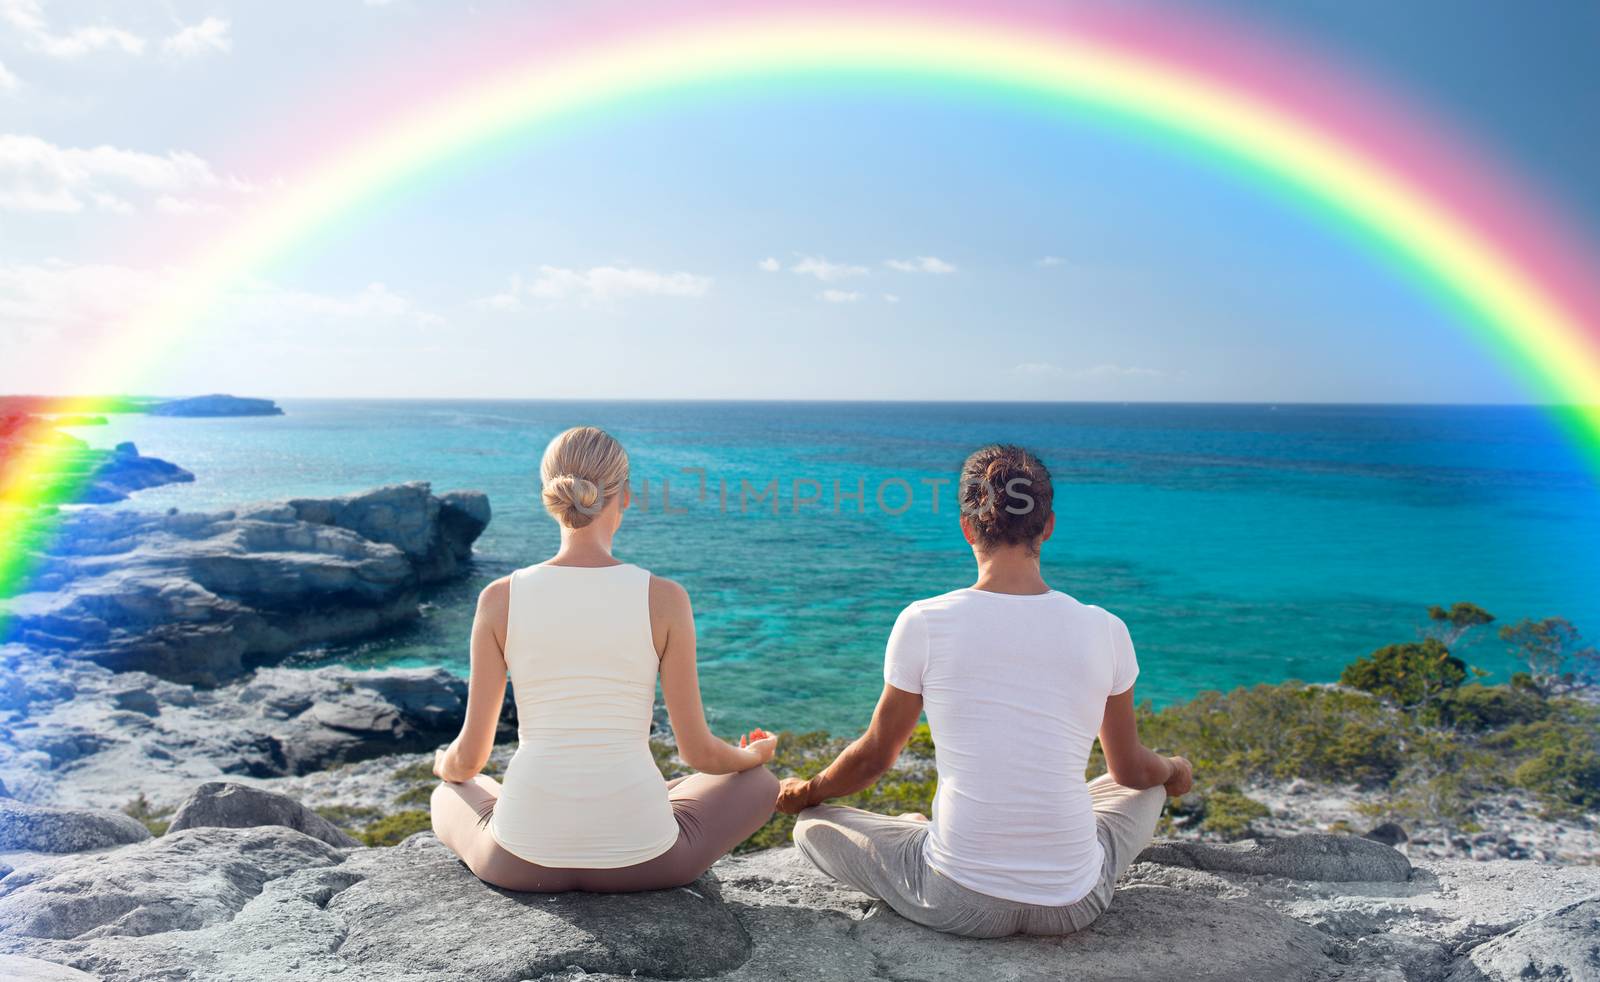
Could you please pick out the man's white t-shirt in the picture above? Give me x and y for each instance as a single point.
(1015, 688)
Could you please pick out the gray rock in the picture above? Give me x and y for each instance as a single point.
(1563, 944)
(389, 917)
(22, 969)
(1335, 858)
(48, 828)
(1200, 938)
(97, 476)
(233, 806)
(124, 470)
(282, 722)
(1388, 833)
(215, 405)
(199, 598)
(179, 882)
(271, 905)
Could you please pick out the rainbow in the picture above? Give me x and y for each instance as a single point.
(1516, 279)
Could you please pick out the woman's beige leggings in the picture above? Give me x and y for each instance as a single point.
(715, 812)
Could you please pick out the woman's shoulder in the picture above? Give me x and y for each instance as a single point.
(497, 594)
(666, 595)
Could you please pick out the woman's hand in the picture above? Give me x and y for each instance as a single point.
(1182, 779)
(761, 743)
(443, 759)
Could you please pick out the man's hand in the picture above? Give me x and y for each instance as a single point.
(794, 795)
(1182, 779)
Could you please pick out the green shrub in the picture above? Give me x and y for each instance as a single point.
(1407, 674)
(1488, 707)
(1279, 732)
(921, 742)
(1228, 813)
(351, 818)
(393, 829)
(422, 770)
(417, 794)
(1568, 774)
(154, 819)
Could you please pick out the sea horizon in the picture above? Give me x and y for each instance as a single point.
(713, 400)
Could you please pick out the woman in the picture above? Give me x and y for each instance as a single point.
(584, 638)
(1016, 679)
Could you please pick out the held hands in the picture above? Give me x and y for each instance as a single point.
(1182, 779)
(761, 743)
(794, 796)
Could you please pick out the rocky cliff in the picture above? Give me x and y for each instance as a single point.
(254, 887)
(203, 597)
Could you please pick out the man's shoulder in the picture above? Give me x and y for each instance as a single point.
(943, 601)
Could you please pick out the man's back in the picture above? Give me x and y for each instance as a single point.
(1014, 687)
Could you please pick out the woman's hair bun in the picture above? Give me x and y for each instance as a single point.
(573, 500)
(583, 469)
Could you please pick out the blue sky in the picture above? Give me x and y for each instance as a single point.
(809, 245)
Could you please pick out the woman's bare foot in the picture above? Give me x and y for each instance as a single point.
(914, 816)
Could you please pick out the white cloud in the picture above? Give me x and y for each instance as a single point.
(1044, 369)
(840, 296)
(27, 18)
(921, 264)
(769, 265)
(891, 298)
(36, 175)
(206, 37)
(824, 270)
(8, 81)
(55, 298)
(1045, 261)
(1120, 371)
(1037, 369)
(597, 285)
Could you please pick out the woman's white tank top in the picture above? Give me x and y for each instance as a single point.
(583, 790)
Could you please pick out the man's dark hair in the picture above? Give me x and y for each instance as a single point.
(1006, 494)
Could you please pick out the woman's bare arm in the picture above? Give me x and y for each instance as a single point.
(1130, 762)
(486, 688)
(672, 623)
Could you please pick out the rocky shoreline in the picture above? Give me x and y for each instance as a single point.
(253, 885)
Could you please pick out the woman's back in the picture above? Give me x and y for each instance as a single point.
(583, 789)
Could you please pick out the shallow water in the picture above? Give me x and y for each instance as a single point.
(1241, 544)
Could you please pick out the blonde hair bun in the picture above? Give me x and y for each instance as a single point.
(583, 469)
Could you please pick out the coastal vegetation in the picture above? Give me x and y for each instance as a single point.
(1410, 726)
(1410, 735)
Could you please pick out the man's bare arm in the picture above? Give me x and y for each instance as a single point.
(1131, 763)
(864, 761)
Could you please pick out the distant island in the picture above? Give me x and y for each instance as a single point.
(91, 410)
(216, 405)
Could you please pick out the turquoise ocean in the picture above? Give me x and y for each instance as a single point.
(1241, 543)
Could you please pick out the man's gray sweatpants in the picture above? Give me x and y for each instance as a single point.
(881, 855)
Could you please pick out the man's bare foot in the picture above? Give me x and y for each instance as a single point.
(914, 816)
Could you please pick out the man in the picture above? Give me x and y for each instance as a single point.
(1017, 679)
